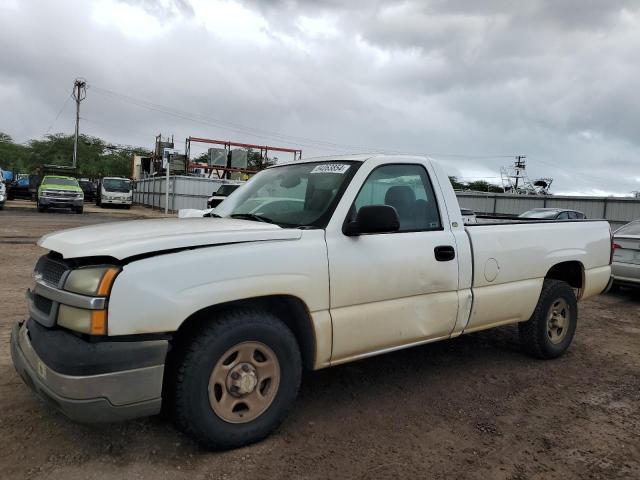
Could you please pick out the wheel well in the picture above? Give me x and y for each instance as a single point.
(570, 272)
(291, 310)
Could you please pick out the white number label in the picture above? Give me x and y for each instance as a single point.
(340, 168)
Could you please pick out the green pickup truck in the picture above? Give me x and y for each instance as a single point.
(60, 192)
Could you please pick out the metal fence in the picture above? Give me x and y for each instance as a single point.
(184, 192)
(617, 211)
(192, 192)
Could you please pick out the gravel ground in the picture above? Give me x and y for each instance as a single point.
(473, 407)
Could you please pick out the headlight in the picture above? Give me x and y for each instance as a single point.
(91, 280)
(92, 322)
(95, 281)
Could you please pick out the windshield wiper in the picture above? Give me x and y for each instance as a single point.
(251, 216)
(211, 214)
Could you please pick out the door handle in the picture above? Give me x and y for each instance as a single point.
(444, 253)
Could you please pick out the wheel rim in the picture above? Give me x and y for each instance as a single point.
(558, 320)
(244, 382)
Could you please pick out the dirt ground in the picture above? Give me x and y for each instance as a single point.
(473, 407)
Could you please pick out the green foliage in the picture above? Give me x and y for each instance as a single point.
(255, 160)
(96, 158)
(478, 185)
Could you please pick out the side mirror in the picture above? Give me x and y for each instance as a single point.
(373, 219)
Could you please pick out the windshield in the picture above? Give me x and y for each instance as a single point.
(541, 214)
(116, 185)
(294, 195)
(226, 190)
(632, 228)
(65, 182)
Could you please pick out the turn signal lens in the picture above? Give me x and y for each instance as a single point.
(107, 281)
(99, 322)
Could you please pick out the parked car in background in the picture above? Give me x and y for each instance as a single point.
(89, 189)
(19, 188)
(114, 191)
(223, 192)
(311, 264)
(60, 192)
(626, 255)
(553, 214)
(468, 216)
(3, 191)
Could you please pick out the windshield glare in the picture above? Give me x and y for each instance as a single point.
(541, 214)
(65, 182)
(632, 228)
(116, 185)
(291, 195)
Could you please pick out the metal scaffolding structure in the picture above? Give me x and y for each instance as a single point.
(225, 171)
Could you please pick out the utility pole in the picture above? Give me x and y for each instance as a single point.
(519, 165)
(79, 94)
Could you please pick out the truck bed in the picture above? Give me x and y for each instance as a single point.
(502, 252)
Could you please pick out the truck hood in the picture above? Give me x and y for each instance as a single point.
(127, 239)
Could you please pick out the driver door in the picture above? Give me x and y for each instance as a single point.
(391, 290)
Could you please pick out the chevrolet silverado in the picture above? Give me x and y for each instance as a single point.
(311, 264)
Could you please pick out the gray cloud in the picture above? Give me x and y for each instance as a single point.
(543, 78)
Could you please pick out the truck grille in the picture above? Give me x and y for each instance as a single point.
(51, 270)
(61, 193)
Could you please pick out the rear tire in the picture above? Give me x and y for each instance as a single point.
(550, 330)
(206, 395)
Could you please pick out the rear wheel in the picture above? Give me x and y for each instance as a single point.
(550, 330)
(237, 380)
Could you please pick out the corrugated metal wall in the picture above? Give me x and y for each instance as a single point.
(184, 192)
(192, 192)
(617, 211)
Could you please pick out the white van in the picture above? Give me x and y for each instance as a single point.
(114, 191)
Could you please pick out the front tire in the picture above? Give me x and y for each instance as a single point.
(550, 330)
(40, 207)
(237, 379)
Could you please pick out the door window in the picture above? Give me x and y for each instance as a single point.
(563, 216)
(406, 188)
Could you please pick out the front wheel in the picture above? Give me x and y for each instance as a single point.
(550, 330)
(237, 380)
(40, 207)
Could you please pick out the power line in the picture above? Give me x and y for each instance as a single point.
(270, 135)
(59, 113)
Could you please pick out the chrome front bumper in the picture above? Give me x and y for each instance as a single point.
(104, 397)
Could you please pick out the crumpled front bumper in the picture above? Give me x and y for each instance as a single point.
(95, 397)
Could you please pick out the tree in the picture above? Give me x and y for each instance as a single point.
(457, 185)
(255, 160)
(96, 158)
(484, 186)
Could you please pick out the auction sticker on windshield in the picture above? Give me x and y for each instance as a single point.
(331, 168)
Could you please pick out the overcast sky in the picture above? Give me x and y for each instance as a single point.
(469, 82)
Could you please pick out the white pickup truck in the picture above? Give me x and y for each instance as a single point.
(309, 265)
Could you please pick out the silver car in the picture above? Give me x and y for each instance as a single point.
(626, 255)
